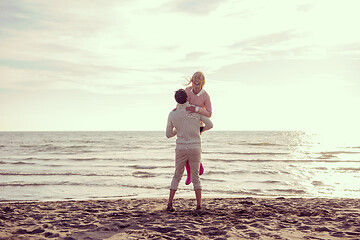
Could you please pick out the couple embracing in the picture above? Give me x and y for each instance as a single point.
(187, 121)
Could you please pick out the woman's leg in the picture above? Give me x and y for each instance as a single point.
(188, 172)
(201, 171)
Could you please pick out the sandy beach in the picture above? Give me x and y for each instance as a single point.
(222, 218)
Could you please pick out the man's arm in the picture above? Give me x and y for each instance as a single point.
(170, 131)
(200, 110)
(208, 123)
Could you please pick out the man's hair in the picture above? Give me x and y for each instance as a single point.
(181, 96)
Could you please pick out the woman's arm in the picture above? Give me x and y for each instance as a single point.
(207, 111)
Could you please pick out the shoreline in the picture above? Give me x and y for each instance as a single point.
(144, 218)
(186, 197)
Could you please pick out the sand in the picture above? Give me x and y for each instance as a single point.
(222, 218)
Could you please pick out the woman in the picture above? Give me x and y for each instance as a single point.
(200, 101)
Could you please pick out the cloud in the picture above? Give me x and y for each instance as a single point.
(265, 40)
(65, 67)
(66, 18)
(199, 7)
(304, 8)
(352, 50)
(39, 65)
(95, 78)
(181, 69)
(290, 72)
(17, 15)
(194, 56)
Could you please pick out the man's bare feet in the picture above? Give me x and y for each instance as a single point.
(170, 209)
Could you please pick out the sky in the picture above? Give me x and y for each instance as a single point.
(114, 65)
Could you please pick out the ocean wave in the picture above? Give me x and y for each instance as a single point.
(338, 152)
(142, 174)
(239, 172)
(85, 141)
(112, 197)
(264, 144)
(56, 149)
(326, 156)
(23, 184)
(62, 174)
(283, 160)
(213, 172)
(320, 168)
(148, 167)
(142, 167)
(83, 159)
(268, 182)
(251, 192)
(41, 159)
(68, 159)
(142, 186)
(17, 163)
(271, 181)
(352, 190)
(247, 153)
(56, 165)
(76, 146)
(212, 180)
(288, 191)
(43, 147)
(68, 183)
(27, 146)
(317, 183)
(348, 169)
(22, 163)
(154, 147)
(145, 160)
(266, 172)
(51, 146)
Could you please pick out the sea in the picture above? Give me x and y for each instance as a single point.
(53, 166)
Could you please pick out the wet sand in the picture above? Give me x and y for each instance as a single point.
(222, 218)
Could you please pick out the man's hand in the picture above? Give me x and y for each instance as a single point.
(190, 109)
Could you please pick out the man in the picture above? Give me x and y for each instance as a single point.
(186, 126)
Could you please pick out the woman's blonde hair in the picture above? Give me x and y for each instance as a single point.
(197, 75)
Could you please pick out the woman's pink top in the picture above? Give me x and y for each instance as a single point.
(201, 100)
